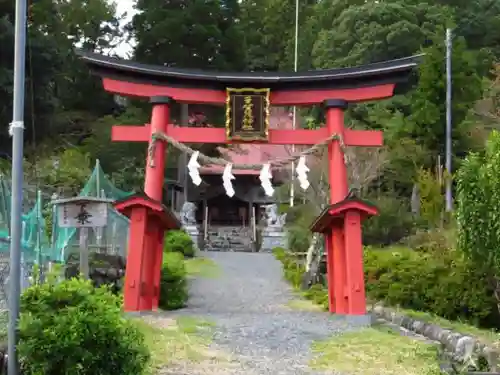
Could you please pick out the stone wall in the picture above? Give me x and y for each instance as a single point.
(461, 348)
(103, 269)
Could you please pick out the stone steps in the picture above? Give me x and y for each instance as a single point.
(228, 238)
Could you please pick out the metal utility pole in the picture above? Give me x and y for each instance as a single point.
(294, 120)
(16, 130)
(449, 197)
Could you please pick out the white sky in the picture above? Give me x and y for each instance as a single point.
(123, 6)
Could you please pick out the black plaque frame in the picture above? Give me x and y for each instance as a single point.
(234, 117)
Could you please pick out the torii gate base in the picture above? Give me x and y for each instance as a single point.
(149, 220)
(333, 88)
(340, 224)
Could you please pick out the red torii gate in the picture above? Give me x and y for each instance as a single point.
(334, 89)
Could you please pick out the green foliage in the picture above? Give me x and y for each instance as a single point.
(478, 211)
(298, 238)
(180, 242)
(393, 223)
(434, 241)
(292, 268)
(71, 327)
(366, 32)
(318, 293)
(67, 171)
(299, 218)
(428, 104)
(431, 198)
(173, 283)
(124, 160)
(194, 34)
(446, 286)
(293, 271)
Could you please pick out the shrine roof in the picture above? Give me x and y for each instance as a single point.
(392, 71)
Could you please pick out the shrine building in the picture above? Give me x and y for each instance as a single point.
(236, 222)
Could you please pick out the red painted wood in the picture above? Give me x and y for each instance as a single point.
(148, 263)
(330, 272)
(359, 138)
(154, 175)
(122, 133)
(354, 261)
(148, 221)
(204, 96)
(363, 138)
(339, 270)
(136, 243)
(277, 98)
(313, 97)
(353, 205)
(337, 169)
(338, 191)
(154, 208)
(157, 269)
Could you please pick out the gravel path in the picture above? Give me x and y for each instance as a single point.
(248, 303)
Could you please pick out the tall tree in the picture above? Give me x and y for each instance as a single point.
(376, 31)
(269, 33)
(189, 33)
(428, 102)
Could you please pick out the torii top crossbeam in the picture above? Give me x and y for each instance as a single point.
(368, 82)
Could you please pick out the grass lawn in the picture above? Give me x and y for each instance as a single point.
(172, 341)
(202, 267)
(301, 304)
(375, 351)
(489, 337)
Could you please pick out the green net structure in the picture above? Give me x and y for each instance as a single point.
(112, 239)
(38, 248)
(34, 240)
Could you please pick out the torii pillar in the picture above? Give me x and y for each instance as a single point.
(344, 257)
(149, 219)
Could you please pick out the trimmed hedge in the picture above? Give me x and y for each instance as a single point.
(71, 327)
(444, 285)
(173, 282)
(178, 241)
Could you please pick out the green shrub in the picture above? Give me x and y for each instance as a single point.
(178, 241)
(301, 215)
(292, 267)
(435, 241)
(394, 222)
(318, 294)
(73, 328)
(293, 272)
(298, 238)
(478, 212)
(444, 285)
(173, 283)
(279, 253)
